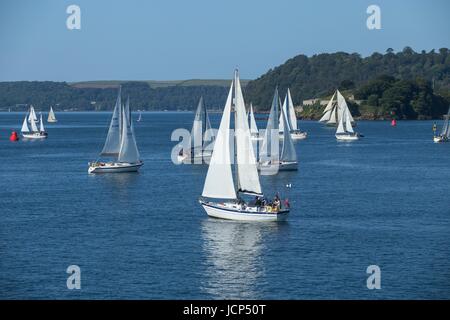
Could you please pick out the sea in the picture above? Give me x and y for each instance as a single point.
(382, 201)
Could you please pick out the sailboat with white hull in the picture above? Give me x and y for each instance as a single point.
(344, 130)
(292, 126)
(444, 136)
(219, 182)
(34, 133)
(202, 138)
(269, 157)
(120, 143)
(51, 116)
(331, 113)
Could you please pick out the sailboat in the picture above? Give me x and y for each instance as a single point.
(34, 133)
(32, 115)
(444, 136)
(254, 133)
(201, 138)
(269, 156)
(289, 111)
(219, 182)
(344, 130)
(120, 143)
(140, 116)
(51, 116)
(331, 112)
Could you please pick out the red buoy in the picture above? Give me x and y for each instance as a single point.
(13, 136)
(393, 122)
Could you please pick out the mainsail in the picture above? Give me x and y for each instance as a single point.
(248, 180)
(345, 123)
(32, 117)
(288, 151)
(328, 110)
(446, 128)
(33, 126)
(289, 111)
(41, 125)
(112, 144)
(343, 104)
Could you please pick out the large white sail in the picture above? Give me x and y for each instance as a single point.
(32, 117)
(343, 104)
(248, 179)
(112, 143)
(197, 130)
(51, 116)
(41, 125)
(219, 179)
(328, 110)
(33, 126)
(288, 151)
(281, 124)
(253, 126)
(271, 141)
(348, 121)
(25, 125)
(290, 112)
(128, 148)
(340, 128)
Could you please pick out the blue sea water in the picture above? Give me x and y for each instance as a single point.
(384, 200)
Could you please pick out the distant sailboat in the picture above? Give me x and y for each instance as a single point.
(140, 117)
(34, 133)
(51, 116)
(269, 155)
(289, 111)
(219, 182)
(344, 130)
(331, 112)
(120, 143)
(201, 138)
(253, 127)
(444, 136)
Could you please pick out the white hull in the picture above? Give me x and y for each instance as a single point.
(227, 212)
(282, 166)
(52, 121)
(35, 135)
(300, 135)
(347, 137)
(113, 167)
(187, 159)
(440, 139)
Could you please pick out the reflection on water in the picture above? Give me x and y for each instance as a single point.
(234, 254)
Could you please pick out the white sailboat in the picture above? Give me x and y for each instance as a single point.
(270, 158)
(289, 111)
(34, 133)
(51, 116)
(140, 116)
(219, 182)
(202, 138)
(331, 112)
(444, 136)
(254, 132)
(344, 130)
(120, 143)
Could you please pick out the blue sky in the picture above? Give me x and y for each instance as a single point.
(185, 39)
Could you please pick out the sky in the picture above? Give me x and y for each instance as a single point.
(201, 39)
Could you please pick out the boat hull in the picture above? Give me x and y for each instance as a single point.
(215, 211)
(282, 166)
(440, 139)
(299, 135)
(347, 137)
(114, 167)
(52, 121)
(187, 159)
(35, 135)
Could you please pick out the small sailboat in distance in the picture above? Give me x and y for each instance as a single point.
(292, 126)
(140, 116)
(120, 144)
(32, 115)
(202, 138)
(51, 116)
(219, 182)
(331, 112)
(253, 127)
(344, 130)
(444, 136)
(34, 133)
